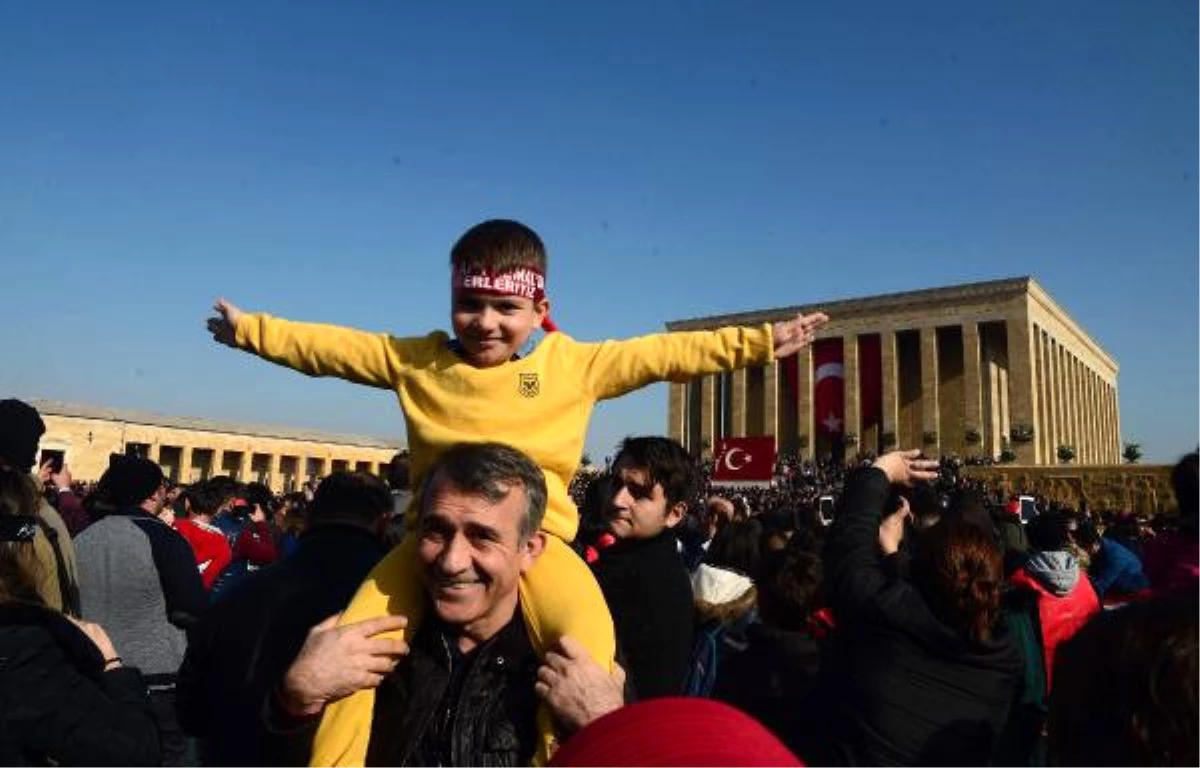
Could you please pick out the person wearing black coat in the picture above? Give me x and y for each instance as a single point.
(919, 671)
(60, 704)
(643, 576)
(66, 697)
(241, 649)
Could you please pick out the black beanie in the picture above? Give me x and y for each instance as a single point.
(130, 479)
(20, 430)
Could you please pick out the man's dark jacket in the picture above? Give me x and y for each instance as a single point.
(648, 591)
(902, 688)
(241, 649)
(440, 707)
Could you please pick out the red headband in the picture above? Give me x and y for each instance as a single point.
(526, 282)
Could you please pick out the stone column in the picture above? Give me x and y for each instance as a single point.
(738, 404)
(1060, 411)
(972, 384)
(677, 404)
(1116, 420)
(804, 402)
(1089, 416)
(851, 392)
(770, 395)
(929, 391)
(274, 475)
(1048, 398)
(244, 465)
(218, 463)
(1077, 412)
(708, 413)
(890, 418)
(185, 464)
(1022, 399)
(1114, 431)
(154, 453)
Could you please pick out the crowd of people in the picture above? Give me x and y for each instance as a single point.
(489, 606)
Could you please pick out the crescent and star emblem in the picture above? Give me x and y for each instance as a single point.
(729, 456)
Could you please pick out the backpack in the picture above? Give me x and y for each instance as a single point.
(705, 658)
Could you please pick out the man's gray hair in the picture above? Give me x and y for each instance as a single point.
(490, 470)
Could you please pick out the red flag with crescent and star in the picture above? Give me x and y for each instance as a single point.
(744, 460)
(829, 409)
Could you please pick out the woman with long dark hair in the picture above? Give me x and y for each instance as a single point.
(66, 698)
(920, 671)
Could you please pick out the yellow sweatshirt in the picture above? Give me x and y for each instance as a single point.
(539, 404)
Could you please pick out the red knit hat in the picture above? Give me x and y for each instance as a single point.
(674, 731)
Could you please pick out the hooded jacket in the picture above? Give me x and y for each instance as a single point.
(1065, 600)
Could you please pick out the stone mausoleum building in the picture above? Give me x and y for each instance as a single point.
(190, 449)
(967, 369)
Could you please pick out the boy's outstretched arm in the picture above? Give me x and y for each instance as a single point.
(612, 368)
(311, 348)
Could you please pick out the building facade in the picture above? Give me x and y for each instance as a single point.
(971, 369)
(190, 449)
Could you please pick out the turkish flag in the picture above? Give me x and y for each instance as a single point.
(829, 408)
(744, 460)
(870, 379)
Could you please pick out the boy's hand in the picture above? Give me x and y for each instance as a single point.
(224, 327)
(793, 335)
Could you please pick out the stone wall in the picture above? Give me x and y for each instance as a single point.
(1141, 488)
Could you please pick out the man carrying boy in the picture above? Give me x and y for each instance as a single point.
(485, 383)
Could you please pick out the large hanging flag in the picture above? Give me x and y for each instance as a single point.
(870, 380)
(744, 461)
(829, 408)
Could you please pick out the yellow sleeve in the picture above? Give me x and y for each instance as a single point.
(374, 359)
(613, 368)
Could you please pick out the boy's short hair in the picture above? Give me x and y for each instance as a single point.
(667, 463)
(501, 244)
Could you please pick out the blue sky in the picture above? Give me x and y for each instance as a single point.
(317, 160)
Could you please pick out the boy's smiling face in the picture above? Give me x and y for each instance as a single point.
(493, 328)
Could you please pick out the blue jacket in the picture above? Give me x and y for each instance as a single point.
(1114, 568)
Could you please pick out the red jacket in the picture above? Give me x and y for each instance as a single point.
(255, 544)
(209, 546)
(1059, 617)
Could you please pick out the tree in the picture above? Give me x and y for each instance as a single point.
(1066, 453)
(1132, 453)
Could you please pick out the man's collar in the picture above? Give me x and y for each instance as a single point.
(510, 641)
(667, 535)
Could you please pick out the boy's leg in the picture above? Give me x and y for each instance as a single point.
(392, 588)
(560, 596)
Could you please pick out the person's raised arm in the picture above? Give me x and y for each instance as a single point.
(613, 368)
(315, 349)
(853, 568)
